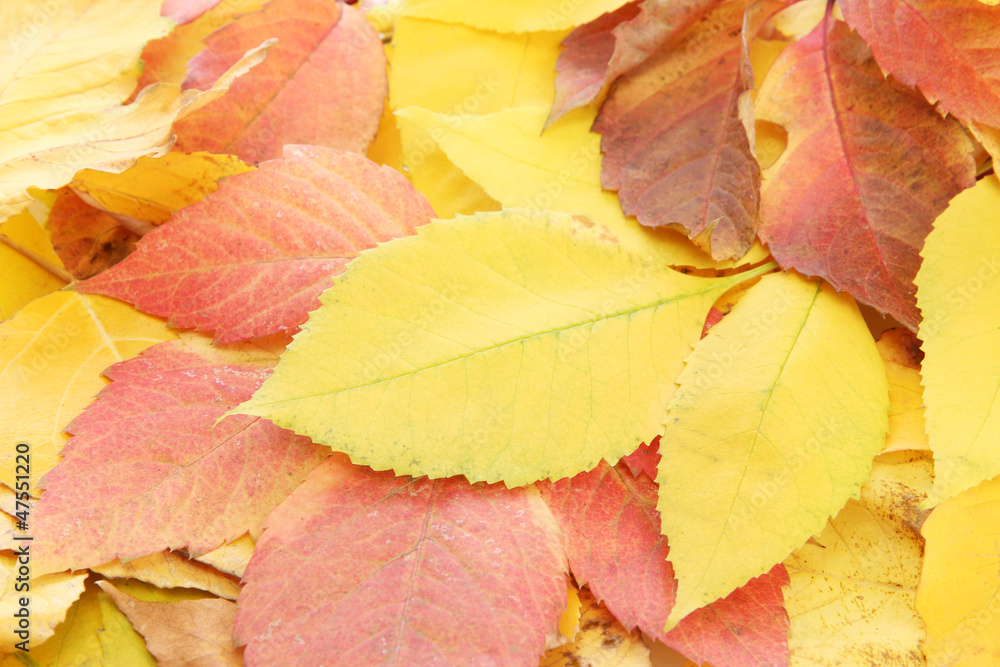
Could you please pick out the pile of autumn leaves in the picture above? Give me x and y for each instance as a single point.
(514, 340)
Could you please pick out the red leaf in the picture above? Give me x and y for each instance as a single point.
(322, 83)
(868, 167)
(674, 138)
(252, 258)
(148, 468)
(362, 568)
(947, 48)
(644, 459)
(614, 546)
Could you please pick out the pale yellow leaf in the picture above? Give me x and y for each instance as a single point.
(46, 152)
(49, 598)
(22, 279)
(232, 557)
(853, 588)
(169, 569)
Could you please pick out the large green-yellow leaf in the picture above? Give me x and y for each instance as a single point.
(958, 292)
(508, 155)
(780, 410)
(508, 346)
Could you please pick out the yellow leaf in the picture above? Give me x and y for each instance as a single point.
(49, 598)
(508, 346)
(155, 187)
(901, 355)
(512, 15)
(779, 412)
(958, 292)
(120, 643)
(52, 353)
(959, 595)
(852, 592)
(65, 58)
(22, 279)
(168, 569)
(569, 622)
(232, 557)
(559, 170)
(600, 642)
(46, 152)
(487, 71)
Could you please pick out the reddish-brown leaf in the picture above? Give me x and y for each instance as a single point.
(644, 459)
(364, 568)
(614, 546)
(949, 49)
(252, 258)
(149, 469)
(584, 66)
(868, 167)
(86, 239)
(674, 139)
(323, 83)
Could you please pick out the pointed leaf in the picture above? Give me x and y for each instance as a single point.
(868, 167)
(946, 48)
(188, 632)
(674, 135)
(363, 568)
(779, 412)
(323, 83)
(512, 15)
(559, 170)
(52, 352)
(957, 595)
(162, 456)
(613, 543)
(851, 600)
(268, 240)
(554, 349)
(958, 287)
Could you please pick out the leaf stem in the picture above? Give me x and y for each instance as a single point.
(49, 266)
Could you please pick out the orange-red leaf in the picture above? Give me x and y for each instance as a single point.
(364, 568)
(252, 258)
(868, 167)
(674, 140)
(949, 49)
(149, 469)
(614, 546)
(86, 239)
(323, 83)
